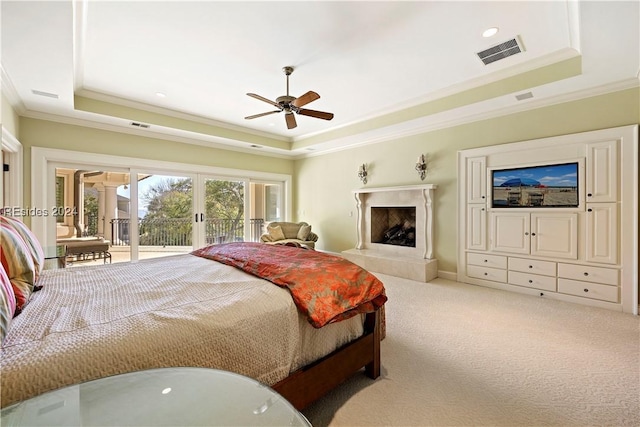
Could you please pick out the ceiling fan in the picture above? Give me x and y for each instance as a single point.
(291, 104)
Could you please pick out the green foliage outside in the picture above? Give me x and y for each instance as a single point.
(169, 219)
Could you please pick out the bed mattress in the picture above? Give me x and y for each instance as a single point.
(91, 322)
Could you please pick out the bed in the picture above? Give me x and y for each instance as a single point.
(195, 310)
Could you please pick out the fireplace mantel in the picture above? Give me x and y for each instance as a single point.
(416, 263)
(416, 195)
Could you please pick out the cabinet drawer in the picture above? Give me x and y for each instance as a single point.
(588, 290)
(532, 281)
(546, 268)
(487, 273)
(493, 261)
(607, 276)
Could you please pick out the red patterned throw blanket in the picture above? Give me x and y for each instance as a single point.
(326, 288)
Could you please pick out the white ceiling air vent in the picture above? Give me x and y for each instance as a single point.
(501, 51)
(140, 125)
(43, 93)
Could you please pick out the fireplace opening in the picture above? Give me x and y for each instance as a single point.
(394, 225)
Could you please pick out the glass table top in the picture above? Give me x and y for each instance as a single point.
(158, 397)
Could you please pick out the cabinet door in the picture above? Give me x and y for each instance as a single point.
(510, 232)
(602, 233)
(554, 235)
(602, 172)
(476, 179)
(477, 227)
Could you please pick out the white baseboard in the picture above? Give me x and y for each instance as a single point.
(449, 275)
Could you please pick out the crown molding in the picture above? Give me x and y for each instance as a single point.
(10, 92)
(99, 96)
(442, 121)
(206, 141)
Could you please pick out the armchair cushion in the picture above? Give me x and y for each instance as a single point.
(303, 232)
(296, 232)
(276, 233)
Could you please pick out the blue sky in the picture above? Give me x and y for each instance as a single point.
(551, 175)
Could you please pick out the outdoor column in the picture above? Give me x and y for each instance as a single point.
(101, 207)
(110, 210)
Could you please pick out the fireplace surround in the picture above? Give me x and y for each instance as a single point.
(411, 205)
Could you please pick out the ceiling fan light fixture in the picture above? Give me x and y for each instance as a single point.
(290, 104)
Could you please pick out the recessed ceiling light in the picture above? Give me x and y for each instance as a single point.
(490, 32)
(160, 95)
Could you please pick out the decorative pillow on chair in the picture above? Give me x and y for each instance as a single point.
(276, 233)
(29, 238)
(7, 304)
(18, 264)
(304, 231)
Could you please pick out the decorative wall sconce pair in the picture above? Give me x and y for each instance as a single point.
(362, 173)
(421, 168)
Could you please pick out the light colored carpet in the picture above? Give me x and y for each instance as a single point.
(462, 355)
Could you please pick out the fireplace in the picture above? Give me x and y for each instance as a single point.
(395, 231)
(394, 225)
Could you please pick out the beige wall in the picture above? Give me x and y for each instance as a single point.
(10, 119)
(46, 134)
(323, 184)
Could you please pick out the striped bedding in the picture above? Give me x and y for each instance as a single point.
(183, 310)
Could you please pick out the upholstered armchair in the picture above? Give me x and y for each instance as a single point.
(277, 232)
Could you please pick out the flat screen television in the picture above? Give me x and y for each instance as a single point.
(544, 186)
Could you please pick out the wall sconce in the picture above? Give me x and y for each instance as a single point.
(362, 173)
(421, 166)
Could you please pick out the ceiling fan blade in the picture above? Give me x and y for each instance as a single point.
(261, 98)
(291, 120)
(305, 99)
(255, 116)
(316, 114)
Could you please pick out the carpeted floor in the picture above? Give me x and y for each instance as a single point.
(462, 355)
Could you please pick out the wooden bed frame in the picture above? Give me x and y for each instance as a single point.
(310, 383)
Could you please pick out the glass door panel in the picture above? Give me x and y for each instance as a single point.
(224, 211)
(88, 208)
(165, 215)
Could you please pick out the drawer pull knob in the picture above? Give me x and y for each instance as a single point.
(531, 266)
(589, 210)
(486, 260)
(589, 195)
(530, 281)
(486, 274)
(586, 274)
(526, 234)
(586, 290)
(533, 234)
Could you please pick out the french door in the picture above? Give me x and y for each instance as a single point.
(156, 206)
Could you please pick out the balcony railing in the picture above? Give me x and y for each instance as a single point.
(179, 231)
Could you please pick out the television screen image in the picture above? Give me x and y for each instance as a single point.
(547, 186)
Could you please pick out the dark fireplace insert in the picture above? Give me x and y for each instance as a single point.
(394, 225)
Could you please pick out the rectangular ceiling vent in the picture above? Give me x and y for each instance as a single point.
(501, 51)
(43, 93)
(140, 125)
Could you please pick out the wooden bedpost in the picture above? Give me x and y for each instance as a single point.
(372, 324)
(308, 384)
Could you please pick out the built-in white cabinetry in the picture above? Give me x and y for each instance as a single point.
(540, 234)
(602, 233)
(602, 172)
(477, 227)
(476, 184)
(586, 253)
(476, 180)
